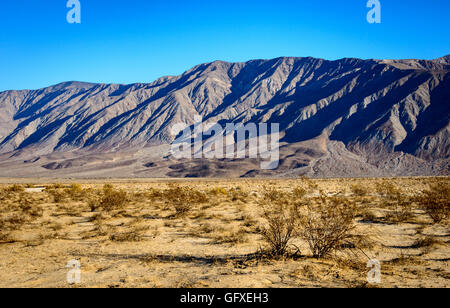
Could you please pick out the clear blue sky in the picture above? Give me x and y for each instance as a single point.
(126, 41)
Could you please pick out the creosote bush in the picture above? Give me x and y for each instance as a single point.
(182, 198)
(327, 224)
(58, 195)
(394, 199)
(436, 201)
(281, 216)
(75, 192)
(15, 188)
(112, 199)
(359, 190)
(281, 224)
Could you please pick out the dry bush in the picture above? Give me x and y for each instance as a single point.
(436, 201)
(56, 186)
(387, 190)
(75, 192)
(130, 236)
(217, 191)
(401, 210)
(237, 194)
(12, 222)
(27, 206)
(327, 224)
(359, 190)
(311, 184)
(93, 199)
(23, 210)
(280, 214)
(154, 193)
(400, 205)
(280, 228)
(15, 188)
(134, 234)
(275, 195)
(3, 194)
(112, 199)
(426, 242)
(299, 193)
(59, 196)
(183, 198)
(230, 237)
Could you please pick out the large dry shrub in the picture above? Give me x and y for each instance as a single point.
(183, 198)
(436, 201)
(327, 224)
(112, 198)
(281, 216)
(75, 192)
(279, 230)
(387, 190)
(57, 194)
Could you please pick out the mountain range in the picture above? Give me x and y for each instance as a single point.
(343, 118)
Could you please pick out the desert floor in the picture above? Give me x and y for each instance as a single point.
(208, 233)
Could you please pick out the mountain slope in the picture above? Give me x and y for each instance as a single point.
(374, 107)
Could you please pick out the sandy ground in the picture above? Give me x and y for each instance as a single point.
(215, 244)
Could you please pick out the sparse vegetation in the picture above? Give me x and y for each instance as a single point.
(436, 201)
(112, 199)
(15, 188)
(75, 191)
(311, 231)
(183, 198)
(359, 190)
(327, 224)
(281, 224)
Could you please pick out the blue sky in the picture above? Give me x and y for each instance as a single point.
(130, 41)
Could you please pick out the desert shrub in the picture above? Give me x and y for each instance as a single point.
(280, 228)
(436, 201)
(112, 199)
(387, 190)
(27, 206)
(75, 191)
(3, 194)
(295, 197)
(58, 195)
(400, 205)
(359, 190)
(182, 208)
(237, 194)
(299, 193)
(230, 237)
(217, 191)
(126, 237)
(155, 193)
(275, 195)
(401, 209)
(327, 224)
(15, 188)
(425, 242)
(93, 203)
(12, 222)
(134, 234)
(280, 214)
(183, 198)
(56, 186)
